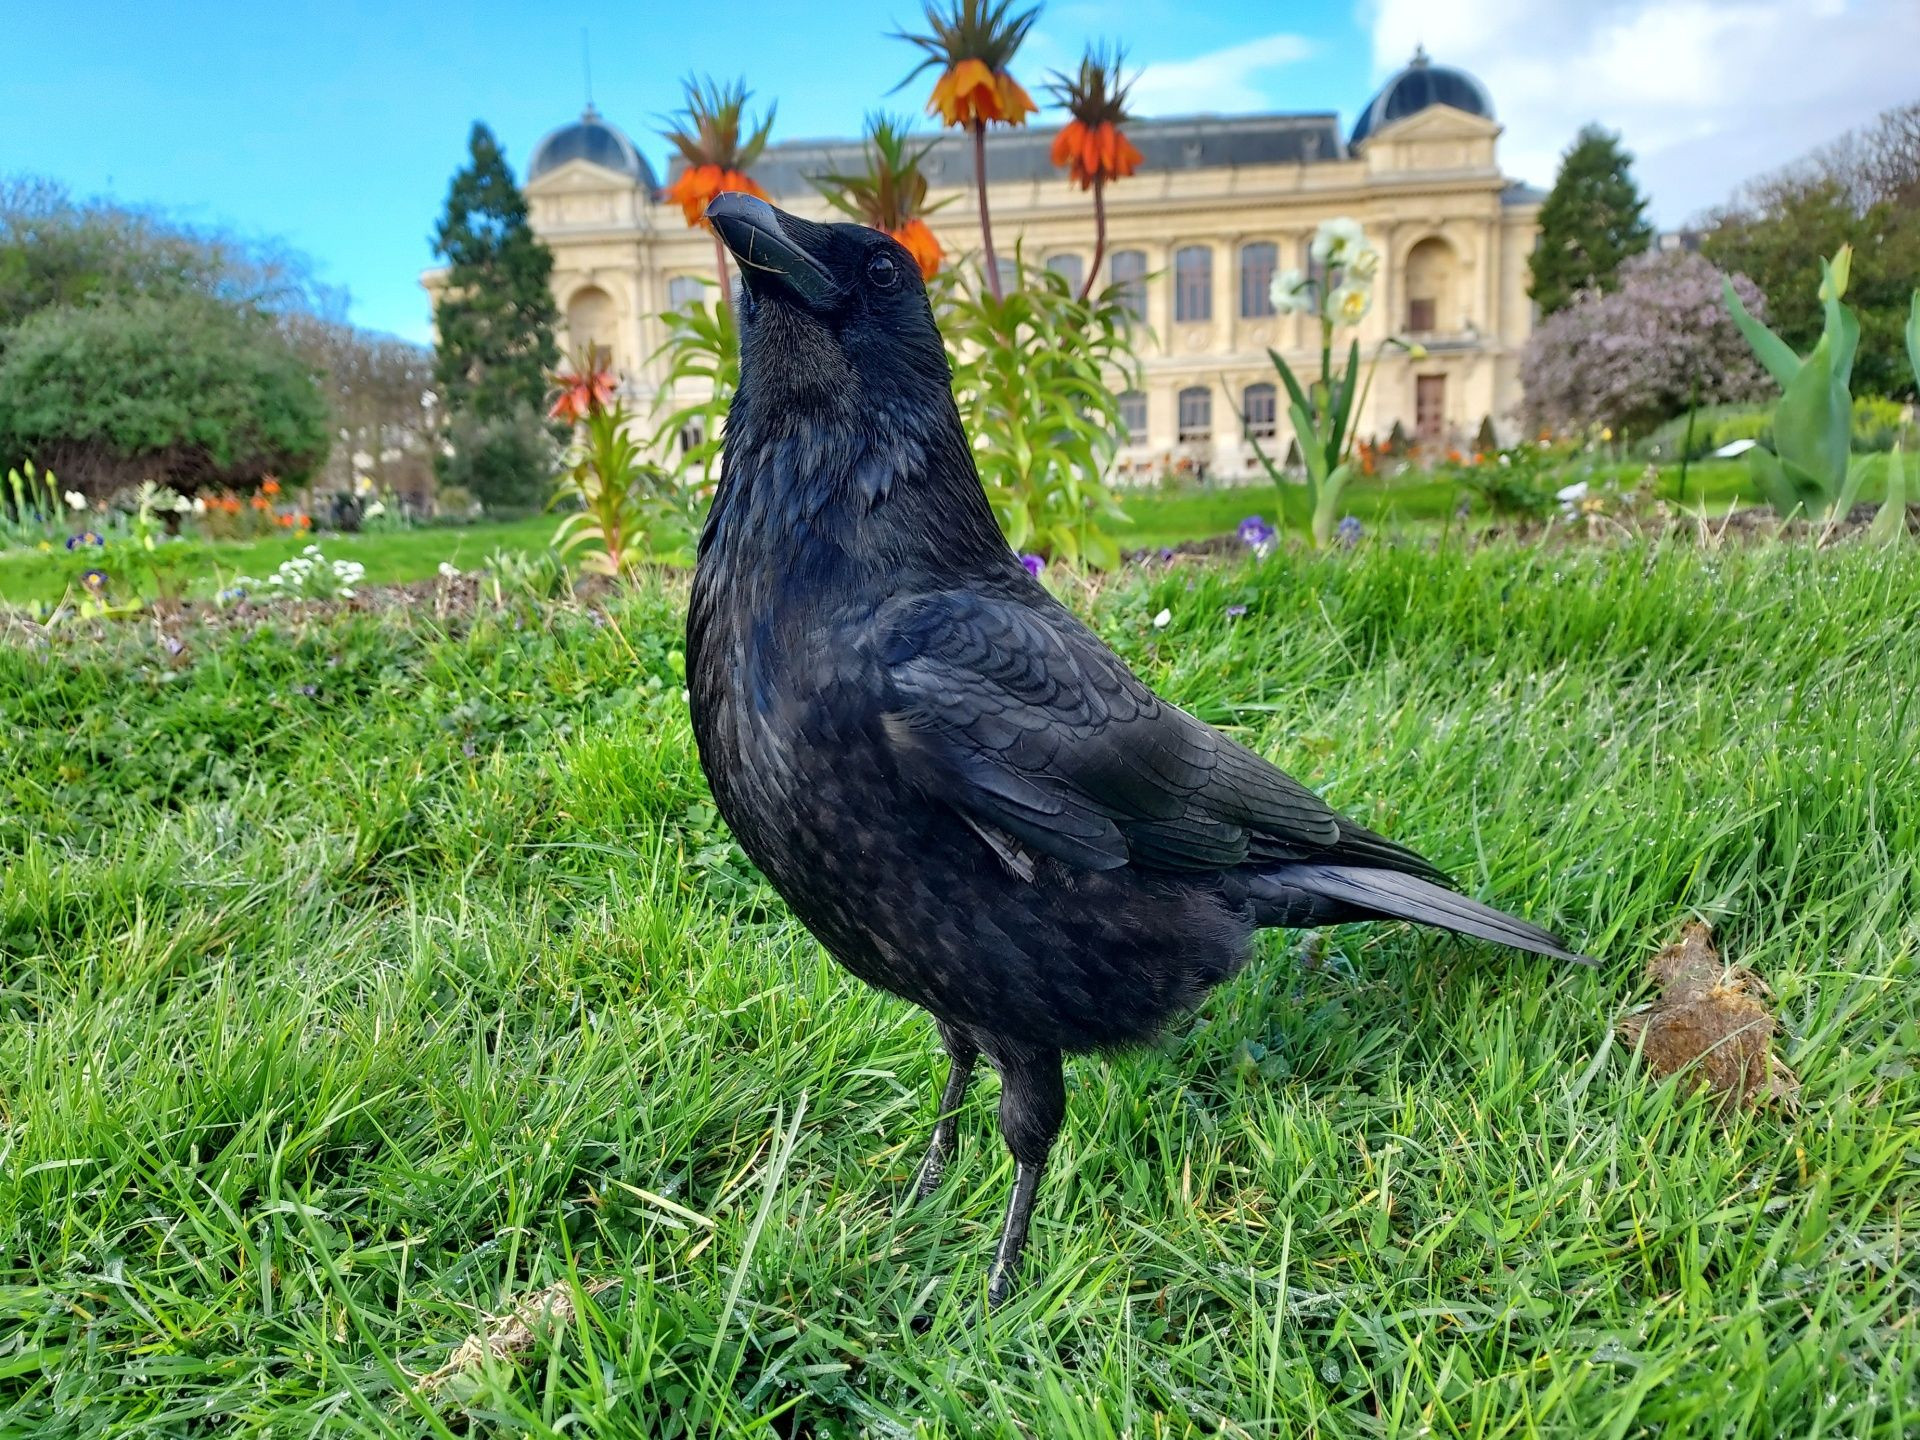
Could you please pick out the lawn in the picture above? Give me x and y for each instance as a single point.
(1159, 517)
(364, 972)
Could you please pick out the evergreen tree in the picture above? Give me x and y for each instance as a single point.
(1594, 218)
(496, 315)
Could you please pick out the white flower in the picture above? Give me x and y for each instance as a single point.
(1289, 292)
(1335, 238)
(1571, 494)
(1363, 263)
(1163, 619)
(199, 506)
(1348, 304)
(449, 570)
(75, 500)
(374, 510)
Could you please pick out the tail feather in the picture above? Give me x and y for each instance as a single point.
(1392, 894)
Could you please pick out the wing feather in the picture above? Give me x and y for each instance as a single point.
(1027, 723)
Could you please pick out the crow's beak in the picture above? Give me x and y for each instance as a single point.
(762, 242)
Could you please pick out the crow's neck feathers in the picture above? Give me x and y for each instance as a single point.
(826, 482)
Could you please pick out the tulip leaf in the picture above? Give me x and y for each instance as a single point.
(1890, 522)
(1812, 426)
(1773, 352)
(1913, 335)
(1771, 481)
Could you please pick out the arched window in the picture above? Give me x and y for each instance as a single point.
(1069, 268)
(1260, 403)
(1196, 413)
(1431, 304)
(1133, 416)
(685, 291)
(593, 322)
(1257, 264)
(1193, 283)
(1129, 271)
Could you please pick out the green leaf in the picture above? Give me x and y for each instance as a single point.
(1813, 424)
(1343, 403)
(1913, 336)
(1773, 352)
(1326, 512)
(1771, 481)
(1294, 392)
(1890, 522)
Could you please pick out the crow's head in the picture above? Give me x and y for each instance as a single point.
(833, 319)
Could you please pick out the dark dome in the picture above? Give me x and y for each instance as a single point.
(591, 139)
(1422, 84)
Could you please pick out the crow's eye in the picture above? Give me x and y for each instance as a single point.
(883, 272)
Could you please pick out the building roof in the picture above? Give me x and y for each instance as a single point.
(1420, 85)
(592, 139)
(1195, 142)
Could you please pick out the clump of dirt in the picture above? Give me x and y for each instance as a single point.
(1711, 1026)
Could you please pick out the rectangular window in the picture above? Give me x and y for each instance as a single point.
(1430, 406)
(684, 291)
(1133, 416)
(1196, 413)
(1257, 263)
(1193, 284)
(1129, 271)
(1420, 316)
(1069, 269)
(1261, 406)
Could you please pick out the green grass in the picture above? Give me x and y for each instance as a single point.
(360, 973)
(196, 570)
(1159, 517)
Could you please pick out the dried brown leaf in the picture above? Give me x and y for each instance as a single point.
(1711, 1025)
(511, 1335)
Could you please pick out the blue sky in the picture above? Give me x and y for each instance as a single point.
(335, 126)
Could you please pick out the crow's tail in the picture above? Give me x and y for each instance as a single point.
(1294, 895)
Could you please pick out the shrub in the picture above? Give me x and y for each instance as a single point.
(183, 389)
(1631, 359)
(506, 463)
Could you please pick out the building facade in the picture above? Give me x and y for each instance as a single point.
(1219, 206)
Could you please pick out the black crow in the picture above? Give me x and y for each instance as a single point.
(956, 785)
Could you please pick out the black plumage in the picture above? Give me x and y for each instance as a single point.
(957, 786)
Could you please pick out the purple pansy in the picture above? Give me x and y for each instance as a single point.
(1255, 531)
(1034, 563)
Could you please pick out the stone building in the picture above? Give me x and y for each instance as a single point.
(1218, 206)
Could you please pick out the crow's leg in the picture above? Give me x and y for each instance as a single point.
(1033, 1102)
(961, 1055)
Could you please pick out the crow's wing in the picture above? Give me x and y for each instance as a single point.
(1033, 729)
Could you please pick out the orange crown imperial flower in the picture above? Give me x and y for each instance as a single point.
(920, 244)
(890, 193)
(717, 143)
(1092, 145)
(970, 46)
(970, 92)
(589, 388)
(1098, 152)
(698, 184)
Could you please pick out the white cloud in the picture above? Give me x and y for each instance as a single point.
(1706, 93)
(1221, 81)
